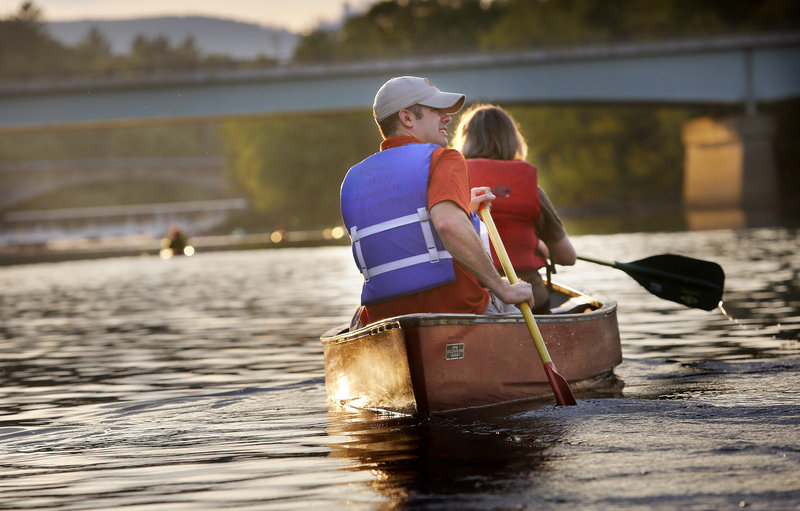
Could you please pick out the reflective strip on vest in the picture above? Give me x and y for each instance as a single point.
(423, 217)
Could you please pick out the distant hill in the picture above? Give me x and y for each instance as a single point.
(213, 36)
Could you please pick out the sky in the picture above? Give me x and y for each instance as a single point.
(295, 15)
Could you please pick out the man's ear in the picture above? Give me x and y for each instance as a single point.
(407, 118)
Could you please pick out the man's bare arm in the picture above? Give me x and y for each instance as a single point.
(461, 240)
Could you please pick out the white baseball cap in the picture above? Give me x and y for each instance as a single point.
(404, 91)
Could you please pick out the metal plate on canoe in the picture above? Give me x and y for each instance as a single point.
(454, 351)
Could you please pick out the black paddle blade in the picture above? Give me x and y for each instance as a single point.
(691, 282)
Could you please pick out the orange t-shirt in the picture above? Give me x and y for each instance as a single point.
(448, 180)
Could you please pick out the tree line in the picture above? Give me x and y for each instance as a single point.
(399, 28)
(27, 51)
(391, 28)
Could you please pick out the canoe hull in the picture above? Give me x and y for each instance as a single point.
(428, 363)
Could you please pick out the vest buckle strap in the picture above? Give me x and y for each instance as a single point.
(362, 264)
(427, 233)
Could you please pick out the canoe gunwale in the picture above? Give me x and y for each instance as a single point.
(603, 308)
(341, 334)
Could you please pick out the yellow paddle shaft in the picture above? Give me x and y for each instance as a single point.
(494, 236)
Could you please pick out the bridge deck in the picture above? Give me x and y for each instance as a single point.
(727, 70)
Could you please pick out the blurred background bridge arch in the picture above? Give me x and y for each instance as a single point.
(28, 179)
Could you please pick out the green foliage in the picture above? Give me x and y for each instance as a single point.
(27, 51)
(118, 193)
(590, 158)
(185, 139)
(401, 28)
(318, 46)
(25, 47)
(527, 24)
(156, 53)
(292, 165)
(391, 29)
(94, 51)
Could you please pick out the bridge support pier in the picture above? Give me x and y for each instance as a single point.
(730, 176)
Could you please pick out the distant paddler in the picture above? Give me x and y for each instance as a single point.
(175, 243)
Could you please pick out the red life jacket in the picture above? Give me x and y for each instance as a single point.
(516, 209)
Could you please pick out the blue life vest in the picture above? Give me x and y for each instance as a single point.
(384, 201)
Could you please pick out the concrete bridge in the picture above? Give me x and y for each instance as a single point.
(743, 71)
(736, 70)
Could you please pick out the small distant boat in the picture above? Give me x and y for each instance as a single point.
(429, 363)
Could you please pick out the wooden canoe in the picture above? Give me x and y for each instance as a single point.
(428, 363)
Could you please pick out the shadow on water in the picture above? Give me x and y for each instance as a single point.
(467, 459)
(732, 425)
(444, 459)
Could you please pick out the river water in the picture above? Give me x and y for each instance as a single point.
(197, 383)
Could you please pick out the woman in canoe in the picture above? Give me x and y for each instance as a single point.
(495, 150)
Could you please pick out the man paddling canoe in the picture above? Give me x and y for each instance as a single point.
(410, 214)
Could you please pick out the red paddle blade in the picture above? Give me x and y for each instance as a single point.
(560, 386)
